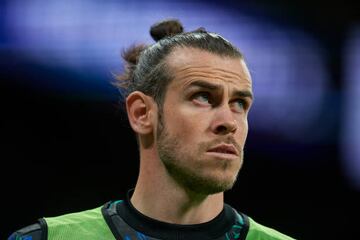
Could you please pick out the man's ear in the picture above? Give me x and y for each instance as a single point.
(141, 110)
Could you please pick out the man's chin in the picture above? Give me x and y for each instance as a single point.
(208, 186)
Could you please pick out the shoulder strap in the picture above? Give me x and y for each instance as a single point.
(120, 229)
(37, 231)
(240, 228)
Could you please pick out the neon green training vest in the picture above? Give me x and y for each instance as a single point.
(91, 225)
(87, 225)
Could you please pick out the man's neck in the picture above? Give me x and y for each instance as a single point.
(161, 198)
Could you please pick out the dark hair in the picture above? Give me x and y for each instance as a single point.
(146, 69)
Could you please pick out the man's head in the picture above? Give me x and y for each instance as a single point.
(147, 70)
(188, 98)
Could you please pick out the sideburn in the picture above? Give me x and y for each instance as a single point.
(160, 125)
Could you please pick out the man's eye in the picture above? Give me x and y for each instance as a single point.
(239, 104)
(202, 97)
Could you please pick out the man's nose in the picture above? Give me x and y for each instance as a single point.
(224, 121)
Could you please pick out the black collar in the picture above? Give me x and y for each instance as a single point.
(214, 229)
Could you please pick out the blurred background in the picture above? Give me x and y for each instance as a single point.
(65, 144)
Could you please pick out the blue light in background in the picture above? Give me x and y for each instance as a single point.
(350, 138)
(290, 80)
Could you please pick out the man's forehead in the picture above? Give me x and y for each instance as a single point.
(191, 63)
(181, 55)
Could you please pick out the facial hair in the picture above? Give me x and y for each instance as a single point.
(188, 171)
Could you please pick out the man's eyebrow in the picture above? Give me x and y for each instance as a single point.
(244, 93)
(204, 84)
(213, 86)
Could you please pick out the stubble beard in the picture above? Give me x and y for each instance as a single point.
(177, 161)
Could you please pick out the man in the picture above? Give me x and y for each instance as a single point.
(187, 99)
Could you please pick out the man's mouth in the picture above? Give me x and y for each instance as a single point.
(224, 149)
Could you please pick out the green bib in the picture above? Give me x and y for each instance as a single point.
(260, 232)
(88, 225)
(91, 225)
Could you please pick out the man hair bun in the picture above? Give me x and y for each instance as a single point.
(166, 28)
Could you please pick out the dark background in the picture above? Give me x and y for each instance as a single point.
(61, 153)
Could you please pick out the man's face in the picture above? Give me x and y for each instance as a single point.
(203, 128)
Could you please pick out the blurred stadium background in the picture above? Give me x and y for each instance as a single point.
(65, 144)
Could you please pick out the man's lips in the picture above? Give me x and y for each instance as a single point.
(224, 148)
